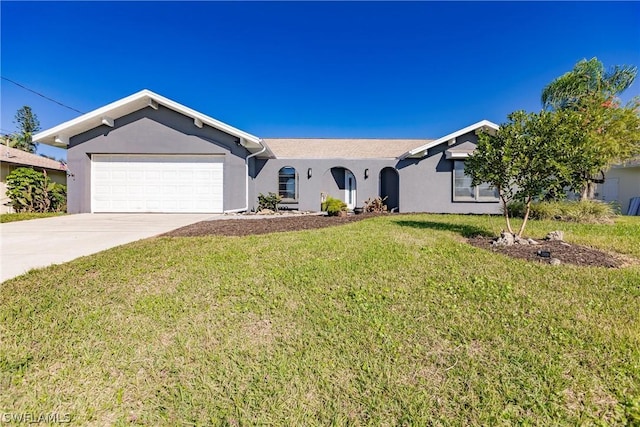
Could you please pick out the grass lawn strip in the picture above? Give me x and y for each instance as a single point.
(25, 216)
(374, 322)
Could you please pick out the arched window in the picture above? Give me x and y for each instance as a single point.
(288, 184)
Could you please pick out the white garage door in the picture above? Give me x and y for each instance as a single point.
(156, 183)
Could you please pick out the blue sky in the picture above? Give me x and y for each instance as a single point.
(308, 69)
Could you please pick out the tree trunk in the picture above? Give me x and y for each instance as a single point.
(505, 211)
(588, 191)
(526, 217)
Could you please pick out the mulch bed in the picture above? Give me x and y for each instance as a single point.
(262, 225)
(565, 252)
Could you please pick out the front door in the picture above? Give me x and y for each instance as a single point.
(349, 189)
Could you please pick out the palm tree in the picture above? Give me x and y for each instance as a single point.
(588, 81)
(592, 91)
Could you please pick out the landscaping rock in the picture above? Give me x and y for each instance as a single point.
(555, 235)
(505, 239)
(266, 212)
(508, 239)
(567, 254)
(555, 261)
(523, 241)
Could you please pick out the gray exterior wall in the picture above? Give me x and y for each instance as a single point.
(150, 131)
(426, 184)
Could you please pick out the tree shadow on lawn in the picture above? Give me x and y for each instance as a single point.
(463, 229)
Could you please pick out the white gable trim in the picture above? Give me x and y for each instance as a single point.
(58, 136)
(449, 139)
(456, 155)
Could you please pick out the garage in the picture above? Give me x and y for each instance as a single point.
(131, 183)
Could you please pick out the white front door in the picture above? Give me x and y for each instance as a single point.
(349, 189)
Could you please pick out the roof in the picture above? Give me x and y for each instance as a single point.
(321, 148)
(423, 149)
(58, 136)
(19, 157)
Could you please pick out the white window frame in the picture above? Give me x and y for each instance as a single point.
(475, 198)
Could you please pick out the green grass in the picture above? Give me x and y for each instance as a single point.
(386, 321)
(12, 217)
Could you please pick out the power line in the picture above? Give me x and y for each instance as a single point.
(39, 94)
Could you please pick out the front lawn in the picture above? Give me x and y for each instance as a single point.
(24, 216)
(391, 320)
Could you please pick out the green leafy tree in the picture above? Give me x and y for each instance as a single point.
(605, 133)
(33, 191)
(28, 124)
(600, 138)
(524, 160)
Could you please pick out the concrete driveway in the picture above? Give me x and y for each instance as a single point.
(42, 242)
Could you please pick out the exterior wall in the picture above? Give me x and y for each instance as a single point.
(426, 185)
(4, 171)
(150, 131)
(6, 168)
(628, 186)
(265, 173)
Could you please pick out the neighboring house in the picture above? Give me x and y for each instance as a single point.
(147, 153)
(622, 183)
(12, 158)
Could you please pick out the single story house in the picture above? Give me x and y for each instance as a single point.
(12, 158)
(147, 153)
(621, 185)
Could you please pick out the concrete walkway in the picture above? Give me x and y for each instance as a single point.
(42, 242)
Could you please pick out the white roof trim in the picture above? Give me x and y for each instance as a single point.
(58, 136)
(455, 155)
(422, 150)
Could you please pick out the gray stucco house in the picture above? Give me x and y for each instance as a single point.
(147, 153)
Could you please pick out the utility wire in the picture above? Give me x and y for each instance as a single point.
(39, 94)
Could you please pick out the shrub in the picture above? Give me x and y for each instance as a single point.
(572, 211)
(376, 205)
(270, 201)
(33, 191)
(333, 206)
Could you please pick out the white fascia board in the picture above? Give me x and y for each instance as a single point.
(137, 101)
(422, 150)
(204, 118)
(457, 155)
(62, 129)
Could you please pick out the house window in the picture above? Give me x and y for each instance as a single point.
(288, 184)
(463, 191)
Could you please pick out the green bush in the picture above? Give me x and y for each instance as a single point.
(270, 201)
(333, 206)
(33, 191)
(572, 211)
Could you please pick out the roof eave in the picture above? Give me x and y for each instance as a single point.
(422, 151)
(58, 136)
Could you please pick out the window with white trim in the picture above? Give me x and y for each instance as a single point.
(288, 184)
(463, 191)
